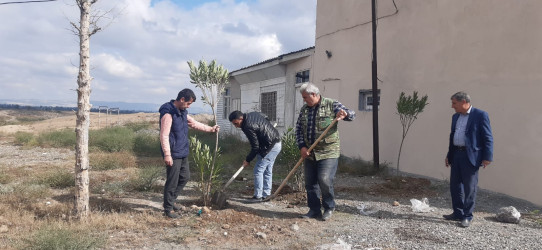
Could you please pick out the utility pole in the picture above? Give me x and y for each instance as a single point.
(376, 100)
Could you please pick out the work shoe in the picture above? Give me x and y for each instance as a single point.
(170, 214)
(255, 199)
(327, 214)
(465, 222)
(451, 217)
(312, 214)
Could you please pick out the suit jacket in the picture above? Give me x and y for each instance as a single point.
(478, 138)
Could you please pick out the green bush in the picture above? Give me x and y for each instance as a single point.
(115, 139)
(147, 145)
(59, 178)
(51, 237)
(25, 138)
(137, 126)
(58, 139)
(146, 178)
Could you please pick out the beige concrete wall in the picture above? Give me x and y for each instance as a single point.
(488, 48)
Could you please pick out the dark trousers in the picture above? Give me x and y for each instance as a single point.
(463, 185)
(177, 177)
(319, 179)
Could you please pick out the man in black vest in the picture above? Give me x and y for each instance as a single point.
(265, 146)
(174, 123)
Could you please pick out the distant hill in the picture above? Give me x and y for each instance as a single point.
(123, 106)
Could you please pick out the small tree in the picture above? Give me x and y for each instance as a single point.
(289, 155)
(211, 79)
(408, 108)
(201, 155)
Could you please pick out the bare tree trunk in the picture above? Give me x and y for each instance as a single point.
(81, 206)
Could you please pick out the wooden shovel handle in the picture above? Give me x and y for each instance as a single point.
(300, 161)
(233, 177)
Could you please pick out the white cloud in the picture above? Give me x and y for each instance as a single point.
(141, 56)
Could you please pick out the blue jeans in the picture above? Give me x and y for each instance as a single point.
(319, 179)
(263, 172)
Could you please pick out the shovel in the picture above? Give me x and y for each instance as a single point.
(299, 162)
(219, 197)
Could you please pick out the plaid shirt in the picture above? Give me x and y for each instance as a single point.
(337, 106)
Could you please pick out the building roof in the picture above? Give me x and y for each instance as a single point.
(273, 59)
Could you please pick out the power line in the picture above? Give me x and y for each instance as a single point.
(35, 1)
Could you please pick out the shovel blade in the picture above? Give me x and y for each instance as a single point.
(219, 199)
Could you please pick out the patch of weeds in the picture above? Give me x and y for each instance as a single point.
(59, 178)
(137, 126)
(146, 178)
(147, 145)
(4, 178)
(60, 237)
(25, 193)
(57, 139)
(108, 161)
(115, 139)
(25, 139)
(114, 188)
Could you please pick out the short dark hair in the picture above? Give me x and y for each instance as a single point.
(187, 94)
(235, 115)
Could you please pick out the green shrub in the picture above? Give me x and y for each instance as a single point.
(115, 139)
(51, 237)
(108, 161)
(59, 178)
(113, 188)
(147, 145)
(146, 178)
(58, 139)
(24, 138)
(137, 126)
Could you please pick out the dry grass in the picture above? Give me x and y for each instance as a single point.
(108, 161)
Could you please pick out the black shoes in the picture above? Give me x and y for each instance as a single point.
(327, 214)
(465, 222)
(255, 199)
(451, 217)
(170, 214)
(312, 214)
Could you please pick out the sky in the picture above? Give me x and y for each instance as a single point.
(141, 54)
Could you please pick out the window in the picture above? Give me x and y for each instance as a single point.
(269, 105)
(301, 77)
(227, 104)
(365, 102)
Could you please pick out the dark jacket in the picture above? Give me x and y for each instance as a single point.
(178, 136)
(478, 138)
(260, 133)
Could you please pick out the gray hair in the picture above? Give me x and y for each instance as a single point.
(309, 88)
(460, 96)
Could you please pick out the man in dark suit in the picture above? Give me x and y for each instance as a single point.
(471, 146)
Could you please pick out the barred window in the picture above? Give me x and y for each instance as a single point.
(227, 104)
(269, 105)
(301, 77)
